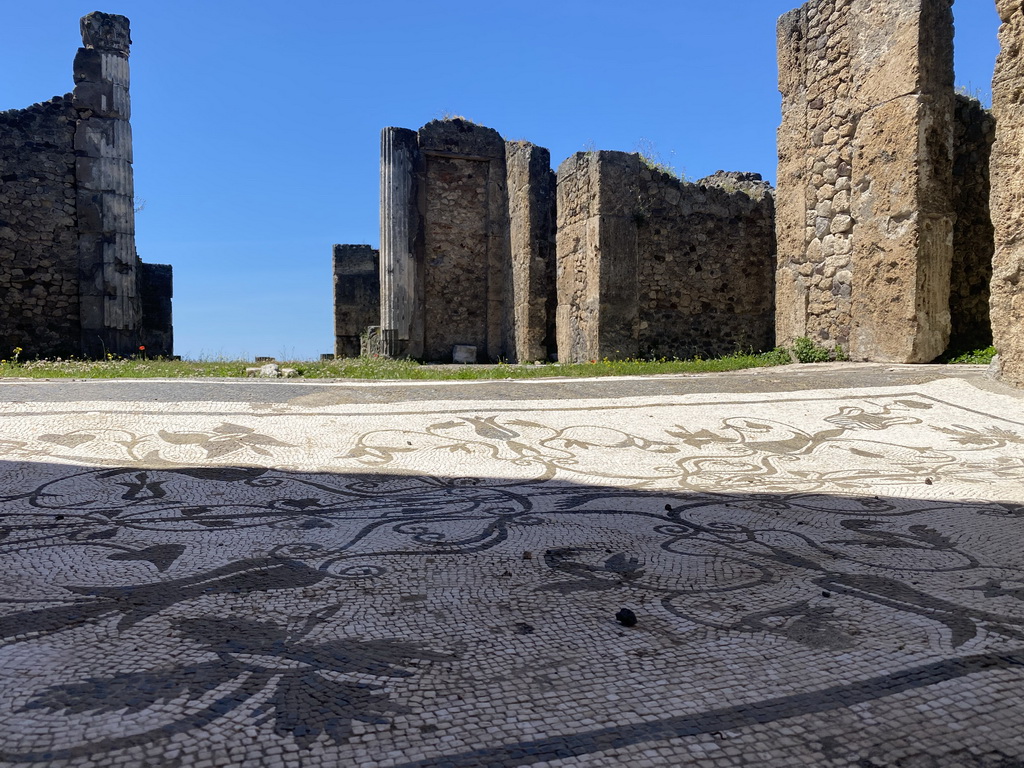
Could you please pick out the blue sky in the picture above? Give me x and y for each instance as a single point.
(257, 123)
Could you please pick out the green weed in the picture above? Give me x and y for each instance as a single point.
(380, 368)
(969, 357)
(806, 351)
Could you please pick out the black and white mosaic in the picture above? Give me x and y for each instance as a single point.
(819, 578)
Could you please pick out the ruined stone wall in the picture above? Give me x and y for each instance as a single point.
(356, 296)
(973, 234)
(70, 280)
(655, 267)
(1007, 311)
(865, 214)
(530, 298)
(156, 290)
(465, 238)
(463, 261)
(706, 261)
(39, 309)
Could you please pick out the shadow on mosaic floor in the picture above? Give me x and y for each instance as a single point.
(192, 551)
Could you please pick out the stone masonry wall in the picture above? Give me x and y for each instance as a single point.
(465, 238)
(356, 296)
(865, 214)
(973, 234)
(649, 266)
(70, 279)
(39, 309)
(156, 290)
(467, 244)
(1008, 194)
(815, 229)
(706, 258)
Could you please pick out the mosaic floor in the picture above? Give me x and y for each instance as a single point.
(828, 578)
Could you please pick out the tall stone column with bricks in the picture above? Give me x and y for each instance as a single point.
(597, 264)
(865, 214)
(530, 290)
(109, 301)
(1007, 312)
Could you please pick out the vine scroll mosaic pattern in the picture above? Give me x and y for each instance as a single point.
(828, 578)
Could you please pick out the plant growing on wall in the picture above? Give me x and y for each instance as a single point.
(981, 95)
(653, 159)
(805, 350)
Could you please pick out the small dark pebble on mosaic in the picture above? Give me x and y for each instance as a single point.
(626, 617)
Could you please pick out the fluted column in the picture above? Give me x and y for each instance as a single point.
(401, 329)
(105, 202)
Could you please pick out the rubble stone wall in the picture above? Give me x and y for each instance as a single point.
(1007, 311)
(465, 238)
(39, 309)
(706, 259)
(356, 296)
(650, 266)
(973, 233)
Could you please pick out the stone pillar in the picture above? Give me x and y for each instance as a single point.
(530, 298)
(401, 284)
(1007, 312)
(105, 200)
(791, 198)
(577, 311)
(902, 75)
(597, 257)
(356, 296)
(865, 214)
(618, 255)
